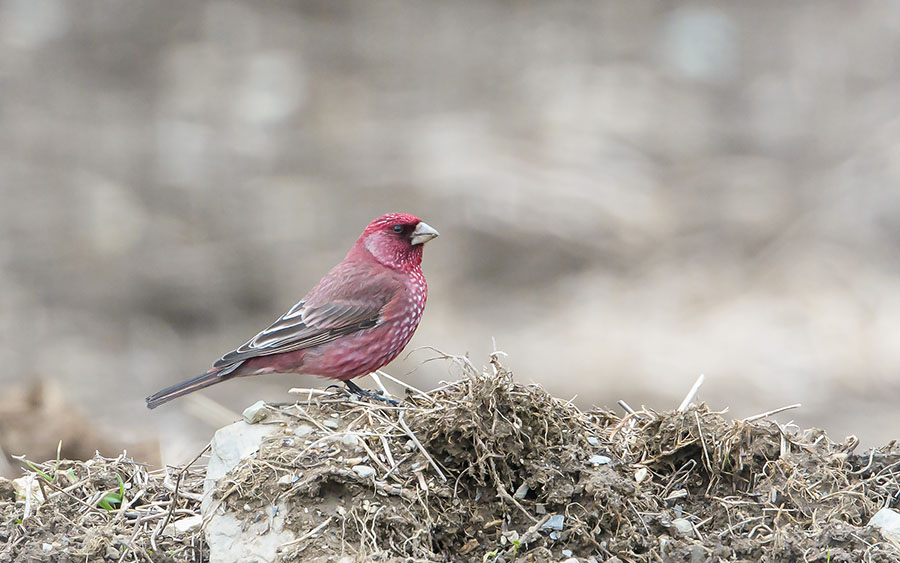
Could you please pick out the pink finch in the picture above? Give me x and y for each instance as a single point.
(358, 317)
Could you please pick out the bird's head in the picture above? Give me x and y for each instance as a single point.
(396, 240)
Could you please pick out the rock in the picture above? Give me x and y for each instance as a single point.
(112, 553)
(592, 440)
(522, 491)
(330, 423)
(364, 471)
(540, 509)
(22, 485)
(233, 540)
(285, 481)
(257, 412)
(230, 445)
(555, 522)
(683, 527)
(46, 547)
(641, 474)
(303, 430)
(597, 460)
(887, 520)
(350, 439)
(567, 553)
(184, 526)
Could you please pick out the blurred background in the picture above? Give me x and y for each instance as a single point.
(630, 194)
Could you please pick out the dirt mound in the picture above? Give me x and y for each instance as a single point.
(487, 469)
(101, 509)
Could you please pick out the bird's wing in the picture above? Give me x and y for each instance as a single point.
(305, 326)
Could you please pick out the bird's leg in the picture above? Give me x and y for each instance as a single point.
(377, 396)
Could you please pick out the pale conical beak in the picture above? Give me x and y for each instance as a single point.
(423, 233)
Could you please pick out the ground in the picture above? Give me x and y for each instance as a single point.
(482, 469)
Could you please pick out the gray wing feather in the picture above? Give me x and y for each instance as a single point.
(303, 327)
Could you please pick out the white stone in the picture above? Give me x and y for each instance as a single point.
(599, 460)
(303, 430)
(330, 423)
(522, 491)
(257, 412)
(229, 446)
(233, 540)
(887, 520)
(683, 527)
(364, 471)
(29, 482)
(184, 526)
(641, 474)
(350, 439)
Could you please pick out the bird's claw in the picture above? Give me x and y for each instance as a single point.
(374, 395)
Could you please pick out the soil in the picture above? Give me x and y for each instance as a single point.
(487, 469)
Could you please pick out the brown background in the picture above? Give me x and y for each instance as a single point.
(629, 194)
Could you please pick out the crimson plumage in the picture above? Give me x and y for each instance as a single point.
(355, 320)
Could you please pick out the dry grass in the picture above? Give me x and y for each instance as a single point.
(485, 468)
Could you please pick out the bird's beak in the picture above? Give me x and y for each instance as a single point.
(423, 233)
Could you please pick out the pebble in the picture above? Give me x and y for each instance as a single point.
(364, 471)
(555, 522)
(540, 509)
(592, 440)
(683, 527)
(350, 439)
(256, 412)
(599, 460)
(522, 491)
(567, 553)
(641, 474)
(303, 430)
(184, 526)
(330, 423)
(285, 481)
(46, 547)
(112, 553)
(409, 445)
(887, 520)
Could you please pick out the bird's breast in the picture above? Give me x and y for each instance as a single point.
(370, 349)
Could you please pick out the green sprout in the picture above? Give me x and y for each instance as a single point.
(112, 501)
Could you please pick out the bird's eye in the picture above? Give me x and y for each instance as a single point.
(398, 228)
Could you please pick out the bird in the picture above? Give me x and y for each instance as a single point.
(355, 320)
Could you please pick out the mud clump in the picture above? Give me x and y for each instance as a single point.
(488, 469)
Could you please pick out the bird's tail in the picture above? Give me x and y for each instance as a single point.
(211, 377)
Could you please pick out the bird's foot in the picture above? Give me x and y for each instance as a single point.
(374, 395)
